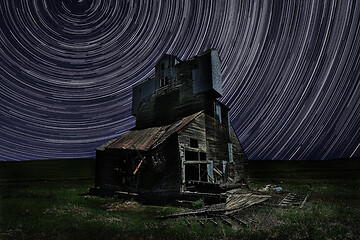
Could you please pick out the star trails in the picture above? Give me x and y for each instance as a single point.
(290, 71)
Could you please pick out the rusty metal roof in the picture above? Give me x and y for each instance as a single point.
(148, 138)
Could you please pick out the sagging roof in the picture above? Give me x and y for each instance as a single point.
(148, 138)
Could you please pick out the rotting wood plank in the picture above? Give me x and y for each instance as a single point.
(213, 222)
(303, 203)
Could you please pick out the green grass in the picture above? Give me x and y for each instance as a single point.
(48, 200)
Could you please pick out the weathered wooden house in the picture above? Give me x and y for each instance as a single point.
(183, 140)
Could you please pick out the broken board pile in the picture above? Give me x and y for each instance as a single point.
(223, 211)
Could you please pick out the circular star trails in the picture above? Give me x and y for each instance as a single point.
(291, 71)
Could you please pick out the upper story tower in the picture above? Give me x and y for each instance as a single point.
(178, 89)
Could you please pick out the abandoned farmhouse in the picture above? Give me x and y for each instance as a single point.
(183, 140)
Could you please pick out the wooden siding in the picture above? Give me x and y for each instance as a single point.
(195, 130)
(174, 100)
(217, 138)
(161, 172)
(240, 165)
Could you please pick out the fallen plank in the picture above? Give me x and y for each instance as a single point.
(213, 221)
(216, 208)
(303, 203)
(224, 220)
(235, 202)
(201, 222)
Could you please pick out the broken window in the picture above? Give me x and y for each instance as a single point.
(196, 172)
(164, 81)
(194, 143)
(203, 172)
(196, 167)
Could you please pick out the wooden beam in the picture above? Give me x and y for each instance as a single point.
(197, 162)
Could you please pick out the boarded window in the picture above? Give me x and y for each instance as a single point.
(194, 143)
(218, 111)
(231, 156)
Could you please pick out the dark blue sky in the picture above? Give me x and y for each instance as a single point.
(291, 71)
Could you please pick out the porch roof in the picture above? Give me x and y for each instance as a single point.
(148, 138)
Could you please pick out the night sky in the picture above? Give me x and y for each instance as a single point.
(291, 71)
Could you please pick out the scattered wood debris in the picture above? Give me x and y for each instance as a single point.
(234, 203)
(237, 202)
(122, 206)
(292, 200)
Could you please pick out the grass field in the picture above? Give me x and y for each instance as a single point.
(49, 200)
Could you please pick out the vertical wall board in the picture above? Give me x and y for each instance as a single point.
(210, 170)
(230, 149)
(224, 163)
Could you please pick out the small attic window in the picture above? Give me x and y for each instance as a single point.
(194, 143)
(162, 66)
